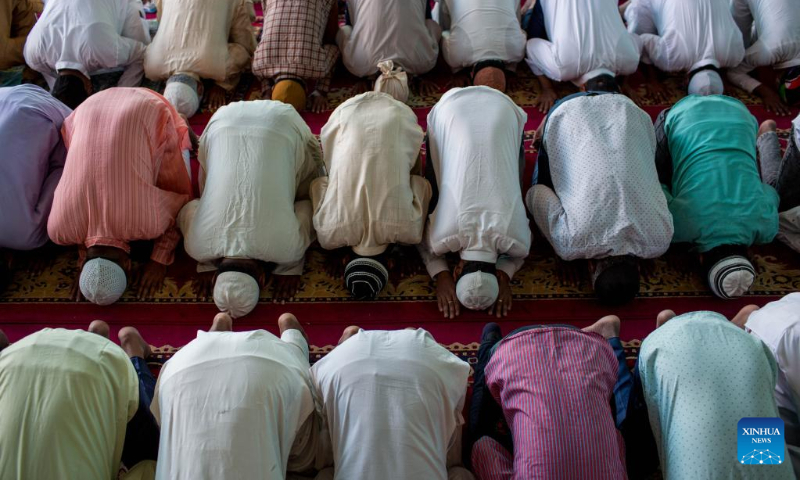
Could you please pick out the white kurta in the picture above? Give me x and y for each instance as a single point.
(475, 135)
(231, 405)
(587, 38)
(256, 160)
(369, 198)
(777, 324)
(90, 36)
(683, 35)
(392, 401)
(477, 30)
(389, 30)
(771, 32)
(607, 200)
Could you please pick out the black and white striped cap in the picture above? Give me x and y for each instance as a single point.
(365, 278)
(731, 277)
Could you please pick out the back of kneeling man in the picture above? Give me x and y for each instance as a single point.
(370, 199)
(706, 162)
(257, 160)
(235, 405)
(475, 164)
(599, 198)
(392, 403)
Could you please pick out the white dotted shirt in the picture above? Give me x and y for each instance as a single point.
(607, 199)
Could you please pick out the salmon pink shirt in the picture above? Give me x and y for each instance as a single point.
(125, 178)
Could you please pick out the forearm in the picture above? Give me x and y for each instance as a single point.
(434, 264)
(164, 247)
(289, 269)
(323, 85)
(739, 77)
(509, 265)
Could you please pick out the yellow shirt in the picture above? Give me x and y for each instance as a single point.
(66, 397)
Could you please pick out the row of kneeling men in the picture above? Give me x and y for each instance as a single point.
(608, 187)
(548, 401)
(80, 45)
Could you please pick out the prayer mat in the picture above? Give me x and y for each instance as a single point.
(40, 296)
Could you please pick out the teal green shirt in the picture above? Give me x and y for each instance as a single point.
(717, 197)
(700, 375)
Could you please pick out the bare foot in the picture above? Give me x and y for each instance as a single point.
(767, 126)
(664, 317)
(100, 328)
(607, 326)
(132, 342)
(744, 314)
(216, 97)
(3, 341)
(287, 321)
(222, 323)
(349, 332)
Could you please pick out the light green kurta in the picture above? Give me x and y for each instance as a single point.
(700, 375)
(66, 397)
(717, 197)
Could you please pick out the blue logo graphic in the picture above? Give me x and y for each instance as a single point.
(760, 441)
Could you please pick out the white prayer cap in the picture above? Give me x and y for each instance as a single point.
(236, 293)
(706, 82)
(477, 290)
(181, 92)
(731, 277)
(102, 281)
(393, 81)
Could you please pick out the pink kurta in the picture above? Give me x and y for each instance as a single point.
(125, 178)
(555, 387)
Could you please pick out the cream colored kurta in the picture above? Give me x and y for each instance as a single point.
(235, 405)
(475, 135)
(66, 397)
(369, 198)
(257, 159)
(207, 38)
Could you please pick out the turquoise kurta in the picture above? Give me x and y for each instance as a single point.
(717, 197)
(700, 375)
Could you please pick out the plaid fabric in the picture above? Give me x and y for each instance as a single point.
(291, 43)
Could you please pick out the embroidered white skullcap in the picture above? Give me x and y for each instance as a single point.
(393, 81)
(182, 95)
(731, 277)
(102, 281)
(477, 290)
(706, 82)
(236, 293)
